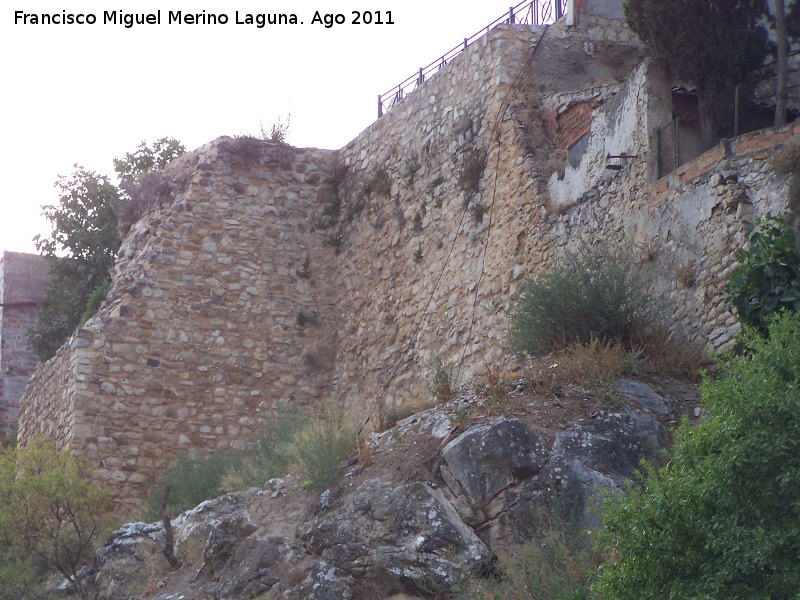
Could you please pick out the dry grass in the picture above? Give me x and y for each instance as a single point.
(685, 276)
(593, 366)
(556, 565)
(189, 548)
(671, 356)
(364, 451)
(389, 415)
(493, 384)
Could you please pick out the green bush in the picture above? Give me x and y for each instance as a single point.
(95, 300)
(318, 447)
(594, 294)
(722, 518)
(440, 386)
(194, 479)
(51, 515)
(270, 456)
(314, 448)
(766, 280)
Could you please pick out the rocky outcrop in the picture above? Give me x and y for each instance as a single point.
(375, 535)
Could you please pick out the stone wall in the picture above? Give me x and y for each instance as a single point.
(22, 287)
(427, 267)
(201, 338)
(275, 275)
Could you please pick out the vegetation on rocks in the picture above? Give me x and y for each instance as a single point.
(51, 516)
(310, 447)
(721, 519)
(596, 293)
(767, 279)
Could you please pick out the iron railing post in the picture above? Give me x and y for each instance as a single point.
(510, 15)
(380, 106)
(659, 167)
(677, 143)
(559, 12)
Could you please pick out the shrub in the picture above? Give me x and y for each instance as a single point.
(94, 301)
(471, 172)
(148, 189)
(194, 479)
(767, 279)
(318, 447)
(50, 517)
(722, 518)
(270, 456)
(558, 564)
(278, 131)
(440, 380)
(594, 294)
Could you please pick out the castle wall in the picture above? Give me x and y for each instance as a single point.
(22, 287)
(275, 276)
(416, 266)
(200, 340)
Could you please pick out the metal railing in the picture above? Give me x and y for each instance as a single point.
(676, 144)
(527, 12)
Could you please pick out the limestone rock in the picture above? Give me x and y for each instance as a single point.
(644, 395)
(487, 458)
(388, 535)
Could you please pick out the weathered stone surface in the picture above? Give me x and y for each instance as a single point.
(614, 442)
(390, 535)
(487, 458)
(643, 394)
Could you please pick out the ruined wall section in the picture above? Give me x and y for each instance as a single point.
(684, 229)
(200, 340)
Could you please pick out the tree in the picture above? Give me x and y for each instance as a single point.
(82, 248)
(767, 279)
(145, 159)
(713, 45)
(140, 180)
(50, 517)
(722, 518)
(85, 237)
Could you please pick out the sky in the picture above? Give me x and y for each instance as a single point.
(85, 94)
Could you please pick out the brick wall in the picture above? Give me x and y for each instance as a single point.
(574, 123)
(763, 139)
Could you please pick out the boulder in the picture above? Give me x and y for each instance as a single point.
(488, 458)
(397, 538)
(642, 393)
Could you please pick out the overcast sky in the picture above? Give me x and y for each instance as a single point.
(88, 93)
